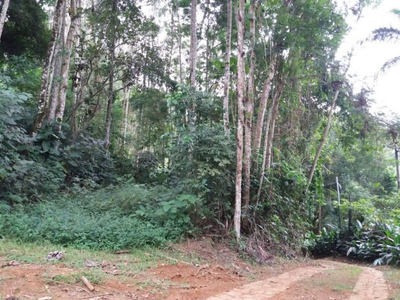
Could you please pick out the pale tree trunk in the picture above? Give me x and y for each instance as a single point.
(107, 138)
(3, 15)
(233, 110)
(208, 50)
(325, 134)
(54, 86)
(264, 156)
(179, 40)
(249, 110)
(78, 86)
(240, 15)
(66, 60)
(180, 50)
(111, 95)
(58, 50)
(173, 36)
(193, 61)
(126, 113)
(75, 105)
(227, 67)
(193, 43)
(270, 124)
(42, 105)
(275, 113)
(262, 108)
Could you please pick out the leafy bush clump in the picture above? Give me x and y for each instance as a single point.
(376, 242)
(109, 219)
(34, 166)
(324, 244)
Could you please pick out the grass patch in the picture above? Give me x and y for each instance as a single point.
(343, 287)
(343, 278)
(5, 278)
(136, 261)
(93, 277)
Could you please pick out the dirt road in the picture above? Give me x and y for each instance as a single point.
(370, 285)
(211, 271)
(325, 280)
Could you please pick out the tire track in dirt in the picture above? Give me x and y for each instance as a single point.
(371, 285)
(266, 289)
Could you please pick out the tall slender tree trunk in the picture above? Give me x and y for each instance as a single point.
(42, 105)
(193, 43)
(227, 67)
(57, 68)
(262, 175)
(262, 108)
(67, 59)
(208, 50)
(3, 15)
(126, 113)
(191, 111)
(321, 144)
(111, 95)
(271, 131)
(240, 19)
(56, 85)
(268, 137)
(78, 86)
(173, 36)
(110, 101)
(179, 40)
(249, 110)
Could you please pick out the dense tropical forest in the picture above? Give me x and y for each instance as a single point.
(127, 123)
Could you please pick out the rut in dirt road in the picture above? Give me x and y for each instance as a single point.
(370, 285)
(270, 287)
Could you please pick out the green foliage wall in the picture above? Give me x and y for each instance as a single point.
(26, 31)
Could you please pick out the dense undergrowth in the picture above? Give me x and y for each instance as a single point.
(373, 234)
(374, 242)
(114, 218)
(71, 190)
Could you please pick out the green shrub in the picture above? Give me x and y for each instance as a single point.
(376, 242)
(32, 167)
(324, 244)
(114, 218)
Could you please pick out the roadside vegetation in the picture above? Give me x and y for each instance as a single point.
(110, 141)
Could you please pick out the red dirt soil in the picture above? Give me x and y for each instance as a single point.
(222, 271)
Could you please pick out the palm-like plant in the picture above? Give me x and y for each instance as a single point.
(388, 34)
